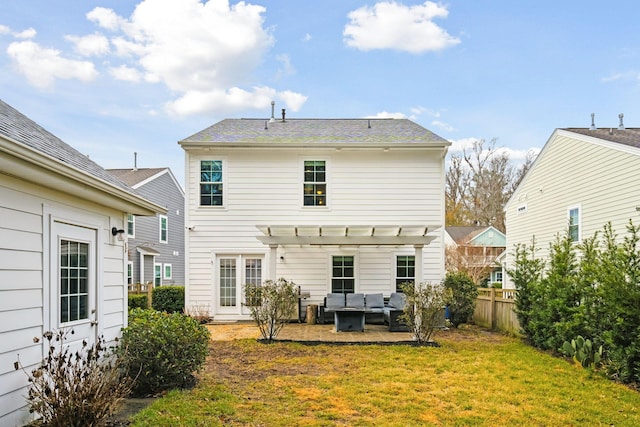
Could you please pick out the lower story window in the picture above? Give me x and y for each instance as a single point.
(74, 281)
(342, 275)
(405, 270)
(157, 274)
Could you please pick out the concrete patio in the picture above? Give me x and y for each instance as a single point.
(308, 332)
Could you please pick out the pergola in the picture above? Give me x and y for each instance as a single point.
(347, 235)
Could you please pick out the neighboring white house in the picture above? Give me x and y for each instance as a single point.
(342, 205)
(60, 264)
(156, 244)
(582, 179)
(475, 249)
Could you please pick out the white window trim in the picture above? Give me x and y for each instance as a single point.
(222, 159)
(356, 269)
(156, 265)
(164, 271)
(579, 208)
(394, 273)
(129, 268)
(160, 218)
(327, 180)
(133, 217)
(239, 256)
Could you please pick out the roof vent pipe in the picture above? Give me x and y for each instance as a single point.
(283, 114)
(273, 107)
(621, 125)
(369, 124)
(265, 125)
(593, 122)
(135, 161)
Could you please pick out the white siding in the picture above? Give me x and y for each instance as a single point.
(22, 280)
(572, 172)
(264, 187)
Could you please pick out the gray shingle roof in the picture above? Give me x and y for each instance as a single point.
(628, 136)
(134, 176)
(357, 131)
(21, 129)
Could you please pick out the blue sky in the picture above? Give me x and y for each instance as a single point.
(116, 77)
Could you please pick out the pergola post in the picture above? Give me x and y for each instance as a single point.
(273, 262)
(419, 268)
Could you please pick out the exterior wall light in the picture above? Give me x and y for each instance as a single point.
(118, 233)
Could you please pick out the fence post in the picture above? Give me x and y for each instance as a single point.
(492, 308)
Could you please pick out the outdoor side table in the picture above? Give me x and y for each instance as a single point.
(349, 320)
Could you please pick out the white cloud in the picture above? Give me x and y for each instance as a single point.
(286, 69)
(459, 145)
(126, 73)
(43, 66)
(233, 99)
(29, 33)
(387, 115)
(91, 45)
(307, 37)
(105, 18)
(4, 29)
(442, 125)
(392, 25)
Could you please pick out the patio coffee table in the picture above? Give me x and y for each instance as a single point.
(349, 319)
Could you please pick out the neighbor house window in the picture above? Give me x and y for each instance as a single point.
(74, 281)
(167, 271)
(342, 276)
(129, 272)
(131, 225)
(164, 229)
(315, 183)
(157, 274)
(211, 183)
(574, 224)
(405, 270)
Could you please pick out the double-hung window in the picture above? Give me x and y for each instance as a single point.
(157, 274)
(211, 184)
(131, 225)
(405, 270)
(164, 229)
(315, 183)
(343, 275)
(574, 223)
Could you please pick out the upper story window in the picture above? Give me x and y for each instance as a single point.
(164, 229)
(574, 223)
(315, 183)
(211, 183)
(131, 225)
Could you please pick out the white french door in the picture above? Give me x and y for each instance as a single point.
(233, 273)
(73, 282)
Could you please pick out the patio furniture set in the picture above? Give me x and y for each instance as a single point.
(351, 311)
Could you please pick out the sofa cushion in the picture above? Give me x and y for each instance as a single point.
(334, 301)
(355, 301)
(397, 300)
(374, 301)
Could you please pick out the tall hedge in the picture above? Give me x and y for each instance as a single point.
(592, 290)
(168, 298)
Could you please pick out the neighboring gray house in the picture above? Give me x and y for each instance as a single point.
(582, 179)
(156, 244)
(62, 259)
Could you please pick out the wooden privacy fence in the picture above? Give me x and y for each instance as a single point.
(495, 309)
(142, 288)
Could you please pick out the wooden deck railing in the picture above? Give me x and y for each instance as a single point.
(495, 309)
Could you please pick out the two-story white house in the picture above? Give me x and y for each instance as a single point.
(582, 179)
(334, 205)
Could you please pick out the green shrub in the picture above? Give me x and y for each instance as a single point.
(583, 351)
(76, 388)
(168, 298)
(271, 304)
(463, 297)
(161, 351)
(138, 301)
(424, 310)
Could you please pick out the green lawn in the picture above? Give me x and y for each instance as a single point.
(473, 379)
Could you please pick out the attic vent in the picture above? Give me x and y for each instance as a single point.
(621, 125)
(284, 112)
(593, 121)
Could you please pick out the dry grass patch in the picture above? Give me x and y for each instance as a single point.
(473, 378)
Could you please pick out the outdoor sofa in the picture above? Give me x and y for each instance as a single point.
(376, 309)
